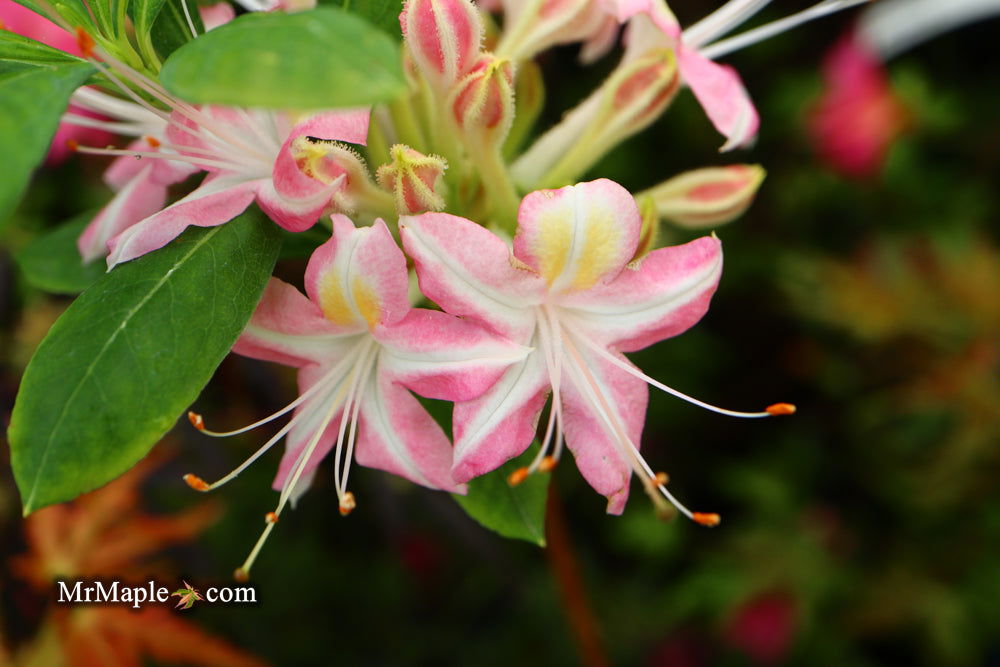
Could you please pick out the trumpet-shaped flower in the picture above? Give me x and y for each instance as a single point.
(570, 291)
(360, 348)
(290, 164)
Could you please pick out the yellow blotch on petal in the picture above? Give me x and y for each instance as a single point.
(577, 252)
(360, 308)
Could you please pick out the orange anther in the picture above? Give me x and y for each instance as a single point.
(241, 575)
(196, 421)
(72, 144)
(661, 478)
(152, 141)
(517, 476)
(271, 517)
(780, 409)
(195, 482)
(3, 26)
(85, 42)
(706, 519)
(347, 504)
(547, 464)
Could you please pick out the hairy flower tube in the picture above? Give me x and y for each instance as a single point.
(360, 348)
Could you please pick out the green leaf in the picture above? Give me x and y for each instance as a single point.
(35, 86)
(518, 511)
(381, 13)
(170, 28)
(130, 354)
(144, 14)
(324, 58)
(52, 261)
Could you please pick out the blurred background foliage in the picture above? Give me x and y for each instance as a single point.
(861, 531)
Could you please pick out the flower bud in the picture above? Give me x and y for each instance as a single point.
(444, 37)
(414, 179)
(482, 104)
(707, 197)
(633, 97)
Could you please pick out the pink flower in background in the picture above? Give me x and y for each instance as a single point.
(764, 627)
(360, 348)
(571, 292)
(859, 116)
(23, 21)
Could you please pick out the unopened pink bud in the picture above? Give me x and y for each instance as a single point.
(444, 37)
(483, 102)
(414, 179)
(707, 197)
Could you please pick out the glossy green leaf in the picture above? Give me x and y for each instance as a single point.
(52, 262)
(35, 86)
(518, 511)
(324, 58)
(381, 13)
(130, 354)
(170, 28)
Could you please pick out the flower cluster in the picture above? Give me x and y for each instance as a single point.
(542, 283)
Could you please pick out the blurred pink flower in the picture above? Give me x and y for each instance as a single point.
(23, 21)
(764, 627)
(859, 116)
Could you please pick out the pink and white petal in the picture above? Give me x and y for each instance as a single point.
(667, 293)
(603, 413)
(123, 170)
(721, 93)
(298, 212)
(578, 236)
(350, 125)
(288, 328)
(219, 199)
(358, 278)
(399, 436)
(139, 198)
(500, 424)
(600, 42)
(469, 271)
(444, 357)
(309, 417)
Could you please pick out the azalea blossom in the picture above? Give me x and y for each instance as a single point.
(571, 292)
(292, 165)
(360, 348)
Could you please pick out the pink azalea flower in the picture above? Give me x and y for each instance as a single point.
(360, 348)
(291, 165)
(23, 21)
(570, 291)
(859, 116)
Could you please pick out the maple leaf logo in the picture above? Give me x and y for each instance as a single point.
(188, 596)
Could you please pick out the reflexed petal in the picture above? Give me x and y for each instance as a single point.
(721, 93)
(578, 236)
(397, 435)
(219, 199)
(600, 459)
(290, 329)
(667, 293)
(139, 198)
(441, 356)
(500, 424)
(350, 125)
(358, 278)
(468, 271)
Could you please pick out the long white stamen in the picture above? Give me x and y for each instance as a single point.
(130, 129)
(173, 157)
(359, 374)
(768, 30)
(589, 385)
(635, 372)
(349, 454)
(187, 17)
(723, 20)
(320, 384)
